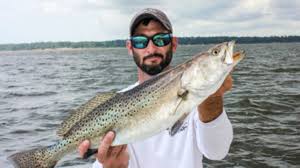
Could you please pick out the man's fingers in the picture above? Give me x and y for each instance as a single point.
(123, 149)
(83, 147)
(115, 151)
(104, 146)
(226, 86)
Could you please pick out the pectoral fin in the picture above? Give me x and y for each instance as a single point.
(176, 127)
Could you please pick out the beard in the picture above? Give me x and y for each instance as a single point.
(153, 69)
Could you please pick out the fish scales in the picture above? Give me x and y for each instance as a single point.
(82, 111)
(149, 108)
(117, 113)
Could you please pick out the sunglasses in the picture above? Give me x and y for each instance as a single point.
(160, 40)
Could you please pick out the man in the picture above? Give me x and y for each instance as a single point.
(206, 130)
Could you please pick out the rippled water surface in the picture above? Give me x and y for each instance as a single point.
(38, 88)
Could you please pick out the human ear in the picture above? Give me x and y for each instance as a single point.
(174, 44)
(129, 47)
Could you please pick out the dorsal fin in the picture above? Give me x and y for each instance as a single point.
(77, 114)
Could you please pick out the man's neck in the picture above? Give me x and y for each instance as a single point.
(142, 76)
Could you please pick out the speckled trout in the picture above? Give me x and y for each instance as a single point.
(149, 108)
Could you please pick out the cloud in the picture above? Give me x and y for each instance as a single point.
(97, 20)
(286, 11)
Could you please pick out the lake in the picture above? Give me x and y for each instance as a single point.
(38, 88)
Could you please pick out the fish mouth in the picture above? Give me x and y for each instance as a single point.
(228, 57)
(238, 56)
(233, 57)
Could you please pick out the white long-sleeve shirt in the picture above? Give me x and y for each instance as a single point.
(186, 148)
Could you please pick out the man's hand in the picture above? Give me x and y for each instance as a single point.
(212, 107)
(226, 86)
(109, 156)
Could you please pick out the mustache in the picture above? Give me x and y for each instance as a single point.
(153, 55)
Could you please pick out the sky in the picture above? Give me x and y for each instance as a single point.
(100, 20)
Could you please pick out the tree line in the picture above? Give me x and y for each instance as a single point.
(121, 43)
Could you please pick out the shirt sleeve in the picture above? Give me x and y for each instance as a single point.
(213, 138)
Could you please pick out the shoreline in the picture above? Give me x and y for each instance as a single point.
(121, 43)
(116, 47)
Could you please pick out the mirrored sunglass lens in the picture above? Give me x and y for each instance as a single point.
(162, 39)
(139, 42)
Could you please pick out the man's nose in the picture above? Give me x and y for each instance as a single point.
(151, 48)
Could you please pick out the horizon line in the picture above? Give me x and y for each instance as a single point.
(127, 38)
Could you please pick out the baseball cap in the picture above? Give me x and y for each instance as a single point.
(150, 13)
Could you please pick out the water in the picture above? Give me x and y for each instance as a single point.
(38, 88)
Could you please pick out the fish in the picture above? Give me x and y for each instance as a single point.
(151, 107)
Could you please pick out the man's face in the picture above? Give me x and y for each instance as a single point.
(152, 59)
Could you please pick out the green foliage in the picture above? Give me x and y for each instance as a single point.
(121, 43)
(219, 39)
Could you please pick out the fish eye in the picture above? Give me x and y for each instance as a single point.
(215, 52)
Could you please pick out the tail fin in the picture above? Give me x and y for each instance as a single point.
(35, 158)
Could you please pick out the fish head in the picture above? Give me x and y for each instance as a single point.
(223, 54)
(208, 70)
(219, 60)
